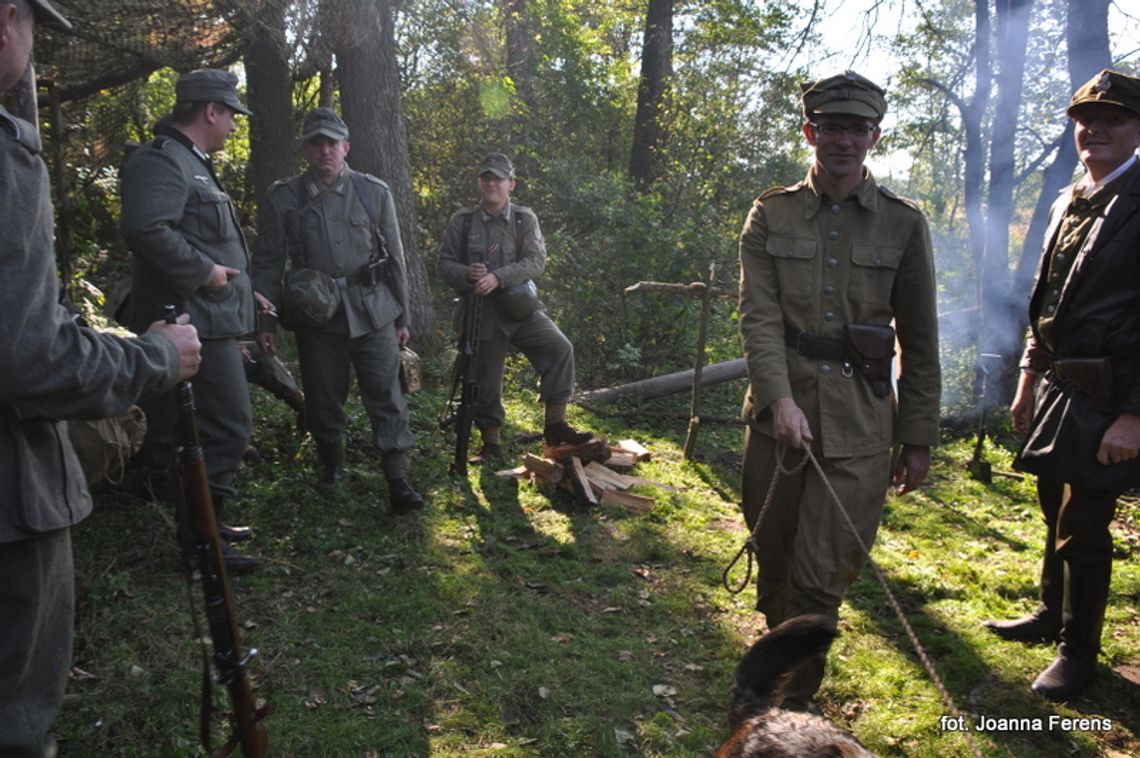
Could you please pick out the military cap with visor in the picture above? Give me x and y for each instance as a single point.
(45, 13)
(843, 94)
(1108, 88)
(324, 122)
(497, 164)
(209, 85)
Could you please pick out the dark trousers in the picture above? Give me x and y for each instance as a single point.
(37, 605)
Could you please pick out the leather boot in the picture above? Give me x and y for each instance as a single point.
(1086, 597)
(1044, 624)
(236, 562)
(403, 496)
(331, 456)
(229, 533)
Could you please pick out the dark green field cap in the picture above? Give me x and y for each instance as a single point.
(323, 121)
(45, 13)
(497, 164)
(1108, 88)
(844, 94)
(209, 85)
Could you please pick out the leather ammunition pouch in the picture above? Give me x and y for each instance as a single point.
(1091, 376)
(870, 349)
(311, 298)
(516, 302)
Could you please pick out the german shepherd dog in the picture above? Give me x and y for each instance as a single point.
(760, 728)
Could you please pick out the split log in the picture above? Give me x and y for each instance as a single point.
(636, 503)
(635, 447)
(606, 477)
(667, 384)
(518, 472)
(544, 468)
(621, 459)
(580, 482)
(696, 289)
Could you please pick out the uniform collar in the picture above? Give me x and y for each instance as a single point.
(1088, 187)
(866, 194)
(504, 214)
(339, 185)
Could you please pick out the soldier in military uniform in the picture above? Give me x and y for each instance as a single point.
(496, 250)
(342, 223)
(53, 369)
(189, 250)
(826, 266)
(1078, 400)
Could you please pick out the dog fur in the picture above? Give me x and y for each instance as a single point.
(760, 728)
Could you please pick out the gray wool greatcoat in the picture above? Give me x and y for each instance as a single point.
(1098, 315)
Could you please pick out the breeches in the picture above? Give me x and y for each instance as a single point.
(547, 349)
(1080, 518)
(224, 418)
(807, 554)
(37, 603)
(326, 359)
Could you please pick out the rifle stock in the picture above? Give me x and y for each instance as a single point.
(464, 386)
(203, 545)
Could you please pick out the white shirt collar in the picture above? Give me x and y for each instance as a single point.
(1090, 188)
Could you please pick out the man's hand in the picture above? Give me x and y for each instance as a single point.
(267, 341)
(185, 338)
(264, 306)
(476, 271)
(403, 334)
(486, 285)
(912, 468)
(789, 423)
(220, 274)
(1023, 405)
(1121, 441)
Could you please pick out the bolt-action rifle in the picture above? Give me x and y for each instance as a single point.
(464, 385)
(198, 531)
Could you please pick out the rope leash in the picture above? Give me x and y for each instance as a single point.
(749, 548)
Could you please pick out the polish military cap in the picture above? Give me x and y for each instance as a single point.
(209, 85)
(1108, 88)
(323, 121)
(847, 93)
(497, 164)
(45, 13)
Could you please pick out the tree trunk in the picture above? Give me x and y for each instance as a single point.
(272, 137)
(368, 76)
(520, 68)
(1012, 35)
(652, 93)
(667, 384)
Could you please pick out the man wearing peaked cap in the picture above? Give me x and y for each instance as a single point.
(495, 250)
(342, 223)
(53, 369)
(826, 266)
(1078, 400)
(188, 249)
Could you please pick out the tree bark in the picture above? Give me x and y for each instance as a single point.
(652, 93)
(272, 137)
(368, 76)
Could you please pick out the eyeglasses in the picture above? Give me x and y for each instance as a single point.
(833, 130)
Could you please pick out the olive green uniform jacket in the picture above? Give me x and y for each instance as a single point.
(52, 369)
(334, 234)
(806, 267)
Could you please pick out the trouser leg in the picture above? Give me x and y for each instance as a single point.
(489, 363)
(376, 358)
(551, 354)
(37, 600)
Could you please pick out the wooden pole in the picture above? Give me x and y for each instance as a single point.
(698, 366)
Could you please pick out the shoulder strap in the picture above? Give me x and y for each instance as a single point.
(466, 230)
(360, 184)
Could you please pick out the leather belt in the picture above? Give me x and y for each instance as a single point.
(810, 346)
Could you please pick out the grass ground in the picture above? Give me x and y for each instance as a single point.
(508, 621)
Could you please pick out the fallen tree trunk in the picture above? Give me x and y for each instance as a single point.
(667, 384)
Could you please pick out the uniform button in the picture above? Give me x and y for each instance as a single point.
(833, 234)
(878, 262)
(835, 209)
(1060, 256)
(828, 316)
(832, 262)
(828, 290)
(1050, 308)
(825, 368)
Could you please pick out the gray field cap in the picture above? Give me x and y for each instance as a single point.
(323, 121)
(497, 164)
(45, 13)
(209, 85)
(1108, 88)
(847, 94)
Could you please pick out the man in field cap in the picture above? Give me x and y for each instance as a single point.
(826, 266)
(188, 249)
(495, 250)
(53, 369)
(1078, 399)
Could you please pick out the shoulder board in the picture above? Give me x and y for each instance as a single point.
(160, 143)
(772, 191)
(374, 179)
(20, 131)
(894, 196)
(467, 211)
(279, 184)
(524, 210)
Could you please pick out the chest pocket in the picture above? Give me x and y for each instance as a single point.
(873, 271)
(214, 220)
(796, 268)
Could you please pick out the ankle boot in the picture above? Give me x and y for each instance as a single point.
(1044, 624)
(331, 457)
(236, 562)
(403, 496)
(1086, 596)
(229, 533)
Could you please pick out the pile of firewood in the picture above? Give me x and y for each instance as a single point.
(589, 471)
